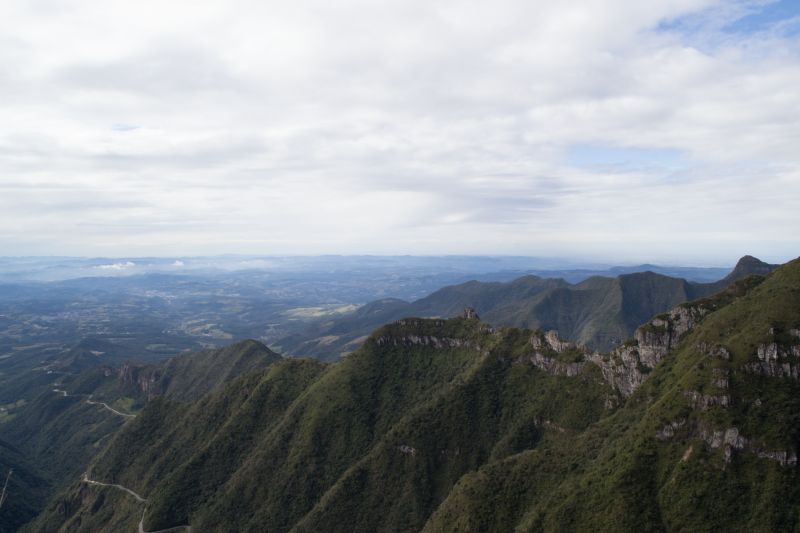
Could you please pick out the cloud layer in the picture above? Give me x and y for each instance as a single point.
(344, 126)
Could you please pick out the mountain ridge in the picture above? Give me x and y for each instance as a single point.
(522, 303)
(452, 424)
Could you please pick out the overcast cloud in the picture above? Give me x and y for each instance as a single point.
(619, 130)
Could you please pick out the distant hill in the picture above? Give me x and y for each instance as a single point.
(602, 312)
(436, 425)
(327, 341)
(599, 311)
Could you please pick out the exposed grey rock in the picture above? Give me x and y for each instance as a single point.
(625, 377)
(559, 345)
(549, 364)
(769, 352)
(468, 312)
(541, 423)
(537, 342)
(704, 401)
(428, 341)
(731, 438)
(653, 345)
(722, 383)
(773, 369)
(669, 430)
(718, 351)
(405, 449)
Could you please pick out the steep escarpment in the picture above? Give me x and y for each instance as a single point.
(455, 425)
(61, 432)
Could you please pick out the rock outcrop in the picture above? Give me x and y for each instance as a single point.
(731, 438)
(663, 332)
(552, 340)
(428, 340)
(132, 374)
(772, 361)
(622, 368)
(549, 364)
(546, 342)
(704, 401)
(405, 450)
(627, 365)
(468, 312)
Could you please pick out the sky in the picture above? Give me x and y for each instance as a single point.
(606, 130)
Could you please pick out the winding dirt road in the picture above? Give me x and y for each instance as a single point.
(129, 491)
(97, 403)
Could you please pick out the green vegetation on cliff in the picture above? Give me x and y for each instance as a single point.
(61, 432)
(452, 425)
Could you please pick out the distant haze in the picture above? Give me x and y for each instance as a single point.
(615, 131)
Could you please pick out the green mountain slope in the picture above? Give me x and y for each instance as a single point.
(26, 490)
(61, 432)
(452, 425)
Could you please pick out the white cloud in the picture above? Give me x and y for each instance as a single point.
(116, 266)
(396, 127)
(177, 263)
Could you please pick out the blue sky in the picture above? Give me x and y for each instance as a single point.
(609, 131)
(782, 17)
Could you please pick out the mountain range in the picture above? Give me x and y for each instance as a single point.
(599, 312)
(439, 425)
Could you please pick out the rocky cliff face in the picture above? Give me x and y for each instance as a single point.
(663, 332)
(629, 364)
(549, 364)
(731, 438)
(132, 374)
(773, 361)
(545, 342)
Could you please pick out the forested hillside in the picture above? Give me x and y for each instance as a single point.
(454, 425)
(56, 435)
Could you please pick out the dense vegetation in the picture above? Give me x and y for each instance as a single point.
(448, 425)
(60, 433)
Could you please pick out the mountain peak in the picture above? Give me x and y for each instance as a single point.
(749, 265)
